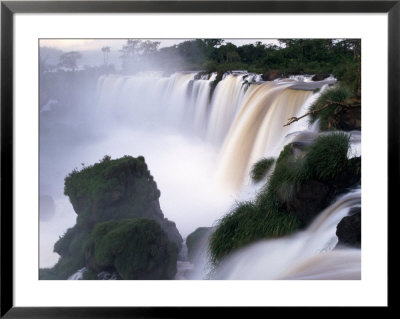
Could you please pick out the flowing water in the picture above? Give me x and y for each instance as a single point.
(305, 255)
(204, 143)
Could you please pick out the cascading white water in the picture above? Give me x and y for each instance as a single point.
(305, 255)
(243, 119)
(243, 122)
(78, 275)
(225, 103)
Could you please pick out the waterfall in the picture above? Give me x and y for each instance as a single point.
(243, 119)
(308, 254)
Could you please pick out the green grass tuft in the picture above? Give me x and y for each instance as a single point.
(327, 157)
(261, 168)
(246, 223)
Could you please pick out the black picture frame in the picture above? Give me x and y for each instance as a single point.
(9, 8)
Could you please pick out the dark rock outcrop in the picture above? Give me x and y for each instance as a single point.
(117, 189)
(320, 77)
(122, 195)
(349, 229)
(347, 119)
(271, 75)
(311, 198)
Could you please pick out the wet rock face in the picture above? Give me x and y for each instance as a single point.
(309, 200)
(349, 229)
(348, 119)
(313, 196)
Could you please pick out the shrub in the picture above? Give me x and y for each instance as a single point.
(327, 157)
(337, 94)
(135, 248)
(261, 168)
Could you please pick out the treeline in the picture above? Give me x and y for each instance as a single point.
(340, 57)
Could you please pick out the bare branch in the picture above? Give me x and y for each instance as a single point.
(330, 103)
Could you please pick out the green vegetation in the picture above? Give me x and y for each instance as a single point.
(121, 188)
(327, 157)
(333, 98)
(135, 248)
(293, 56)
(261, 168)
(120, 226)
(248, 222)
(272, 214)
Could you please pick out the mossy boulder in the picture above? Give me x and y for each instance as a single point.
(136, 249)
(305, 182)
(122, 194)
(116, 189)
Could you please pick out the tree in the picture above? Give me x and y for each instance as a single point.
(106, 51)
(136, 52)
(68, 60)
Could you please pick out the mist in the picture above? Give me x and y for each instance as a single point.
(96, 120)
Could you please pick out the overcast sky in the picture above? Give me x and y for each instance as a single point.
(116, 44)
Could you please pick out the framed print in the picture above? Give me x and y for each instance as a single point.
(161, 158)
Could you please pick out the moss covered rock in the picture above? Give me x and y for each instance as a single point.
(123, 195)
(116, 189)
(136, 249)
(305, 180)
